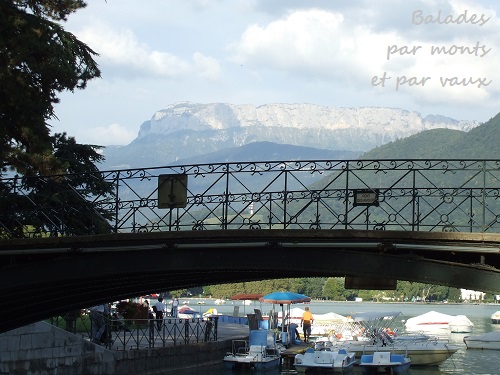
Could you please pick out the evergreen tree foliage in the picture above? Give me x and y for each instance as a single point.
(38, 60)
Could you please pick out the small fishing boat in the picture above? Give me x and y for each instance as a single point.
(490, 340)
(495, 318)
(324, 360)
(261, 352)
(386, 362)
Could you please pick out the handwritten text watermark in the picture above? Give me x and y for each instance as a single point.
(479, 50)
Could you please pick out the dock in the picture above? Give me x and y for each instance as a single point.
(287, 356)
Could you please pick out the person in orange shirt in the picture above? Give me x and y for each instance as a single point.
(305, 323)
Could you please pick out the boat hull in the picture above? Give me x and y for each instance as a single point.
(426, 354)
(324, 360)
(376, 369)
(260, 353)
(249, 363)
(482, 345)
(489, 340)
(495, 318)
(385, 362)
(460, 328)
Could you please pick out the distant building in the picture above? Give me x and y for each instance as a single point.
(471, 295)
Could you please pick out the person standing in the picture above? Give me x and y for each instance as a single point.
(159, 309)
(305, 323)
(175, 307)
(98, 323)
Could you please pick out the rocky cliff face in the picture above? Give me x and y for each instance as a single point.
(297, 124)
(183, 130)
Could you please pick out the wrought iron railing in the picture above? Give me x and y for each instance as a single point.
(409, 195)
(126, 334)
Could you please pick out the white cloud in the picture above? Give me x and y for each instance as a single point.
(321, 44)
(114, 134)
(207, 67)
(120, 47)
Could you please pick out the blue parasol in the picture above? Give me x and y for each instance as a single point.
(284, 298)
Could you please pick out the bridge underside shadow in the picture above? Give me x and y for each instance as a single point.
(55, 275)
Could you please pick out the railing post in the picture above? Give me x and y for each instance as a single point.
(346, 194)
(186, 331)
(483, 198)
(285, 193)
(413, 201)
(117, 210)
(225, 210)
(175, 332)
(216, 323)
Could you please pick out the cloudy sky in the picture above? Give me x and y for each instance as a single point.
(153, 53)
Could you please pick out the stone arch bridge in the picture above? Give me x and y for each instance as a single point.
(371, 221)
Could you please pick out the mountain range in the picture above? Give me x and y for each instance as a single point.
(191, 133)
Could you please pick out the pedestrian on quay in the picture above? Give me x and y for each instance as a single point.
(159, 309)
(305, 323)
(98, 323)
(175, 307)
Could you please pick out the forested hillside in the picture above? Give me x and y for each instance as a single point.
(482, 142)
(333, 289)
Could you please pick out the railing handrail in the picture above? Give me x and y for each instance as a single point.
(126, 334)
(411, 194)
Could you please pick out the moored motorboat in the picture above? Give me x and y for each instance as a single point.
(260, 353)
(431, 321)
(460, 324)
(422, 352)
(386, 362)
(490, 340)
(377, 335)
(186, 312)
(325, 360)
(495, 317)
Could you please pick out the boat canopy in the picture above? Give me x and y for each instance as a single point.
(368, 316)
(431, 317)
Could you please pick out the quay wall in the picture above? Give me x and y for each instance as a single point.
(43, 349)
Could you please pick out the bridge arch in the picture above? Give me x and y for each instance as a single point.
(58, 274)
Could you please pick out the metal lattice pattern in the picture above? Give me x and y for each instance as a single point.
(413, 195)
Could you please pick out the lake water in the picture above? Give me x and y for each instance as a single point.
(464, 361)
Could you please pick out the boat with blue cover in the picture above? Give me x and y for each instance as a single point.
(385, 362)
(325, 360)
(261, 352)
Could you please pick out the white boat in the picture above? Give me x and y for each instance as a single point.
(431, 321)
(422, 352)
(385, 362)
(323, 323)
(324, 359)
(261, 352)
(461, 324)
(495, 318)
(378, 336)
(490, 340)
(186, 312)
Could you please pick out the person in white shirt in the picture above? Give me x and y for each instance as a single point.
(159, 309)
(175, 307)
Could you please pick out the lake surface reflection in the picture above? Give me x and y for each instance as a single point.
(464, 361)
